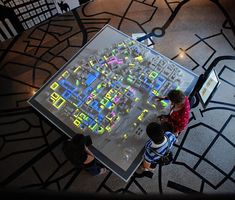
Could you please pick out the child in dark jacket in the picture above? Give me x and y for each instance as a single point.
(77, 152)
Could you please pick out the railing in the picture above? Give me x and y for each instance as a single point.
(7, 30)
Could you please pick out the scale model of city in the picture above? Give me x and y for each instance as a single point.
(111, 96)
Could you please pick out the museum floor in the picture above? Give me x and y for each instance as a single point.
(197, 34)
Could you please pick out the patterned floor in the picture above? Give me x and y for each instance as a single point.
(198, 34)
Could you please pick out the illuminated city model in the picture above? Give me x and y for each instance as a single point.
(111, 95)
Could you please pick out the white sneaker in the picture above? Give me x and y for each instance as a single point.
(102, 171)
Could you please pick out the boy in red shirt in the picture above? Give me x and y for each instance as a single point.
(180, 111)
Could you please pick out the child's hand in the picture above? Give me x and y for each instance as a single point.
(163, 118)
(158, 98)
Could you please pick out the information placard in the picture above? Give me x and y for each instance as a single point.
(209, 87)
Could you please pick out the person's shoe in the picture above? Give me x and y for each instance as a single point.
(176, 135)
(102, 171)
(152, 169)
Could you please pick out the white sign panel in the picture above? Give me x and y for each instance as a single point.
(208, 87)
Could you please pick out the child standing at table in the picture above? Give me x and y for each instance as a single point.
(160, 142)
(77, 152)
(180, 111)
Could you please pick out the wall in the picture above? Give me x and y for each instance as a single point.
(27, 13)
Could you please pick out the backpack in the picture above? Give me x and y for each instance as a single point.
(167, 158)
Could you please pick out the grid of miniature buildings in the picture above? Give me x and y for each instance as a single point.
(95, 93)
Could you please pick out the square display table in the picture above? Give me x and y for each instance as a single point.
(107, 91)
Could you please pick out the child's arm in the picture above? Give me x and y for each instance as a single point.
(159, 98)
(89, 159)
(146, 165)
(88, 151)
(90, 156)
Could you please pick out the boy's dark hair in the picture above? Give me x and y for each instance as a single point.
(77, 140)
(80, 140)
(155, 132)
(176, 96)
